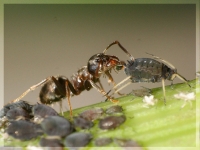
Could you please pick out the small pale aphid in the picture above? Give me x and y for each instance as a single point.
(92, 114)
(102, 141)
(111, 122)
(141, 92)
(82, 123)
(187, 97)
(149, 101)
(129, 144)
(114, 109)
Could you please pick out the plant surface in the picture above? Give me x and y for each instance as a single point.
(159, 125)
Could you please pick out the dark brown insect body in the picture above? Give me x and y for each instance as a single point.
(54, 89)
(59, 87)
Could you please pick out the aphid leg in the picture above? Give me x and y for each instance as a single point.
(102, 91)
(117, 42)
(183, 79)
(112, 81)
(163, 87)
(32, 88)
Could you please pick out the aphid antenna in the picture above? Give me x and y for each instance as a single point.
(164, 61)
(183, 79)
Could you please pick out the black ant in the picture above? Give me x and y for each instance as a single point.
(54, 89)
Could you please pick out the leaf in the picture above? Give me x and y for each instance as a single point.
(160, 125)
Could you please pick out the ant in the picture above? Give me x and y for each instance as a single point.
(56, 88)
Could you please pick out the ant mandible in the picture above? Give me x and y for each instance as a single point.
(56, 88)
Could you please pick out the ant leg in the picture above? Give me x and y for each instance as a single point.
(100, 84)
(117, 42)
(68, 98)
(122, 87)
(163, 87)
(102, 91)
(32, 88)
(118, 84)
(112, 81)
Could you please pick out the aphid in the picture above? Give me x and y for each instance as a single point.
(114, 109)
(41, 110)
(51, 142)
(57, 126)
(21, 104)
(187, 97)
(128, 143)
(92, 114)
(142, 92)
(82, 123)
(150, 70)
(54, 89)
(149, 101)
(16, 113)
(111, 122)
(23, 130)
(102, 141)
(13, 111)
(78, 139)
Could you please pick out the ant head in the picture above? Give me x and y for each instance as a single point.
(99, 63)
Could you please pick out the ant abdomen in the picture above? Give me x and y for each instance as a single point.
(51, 93)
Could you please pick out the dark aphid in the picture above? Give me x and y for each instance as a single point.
(23, 130)
(114, 109)
(16, 113)
(3, 112)
(22, 104)
(78, 139)
(128, 143)
(111, 122)
(49, 142)
(41, 110)
(82, 123)
(92, 114)
(150, 70)
(56, 125)
(102, 141)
